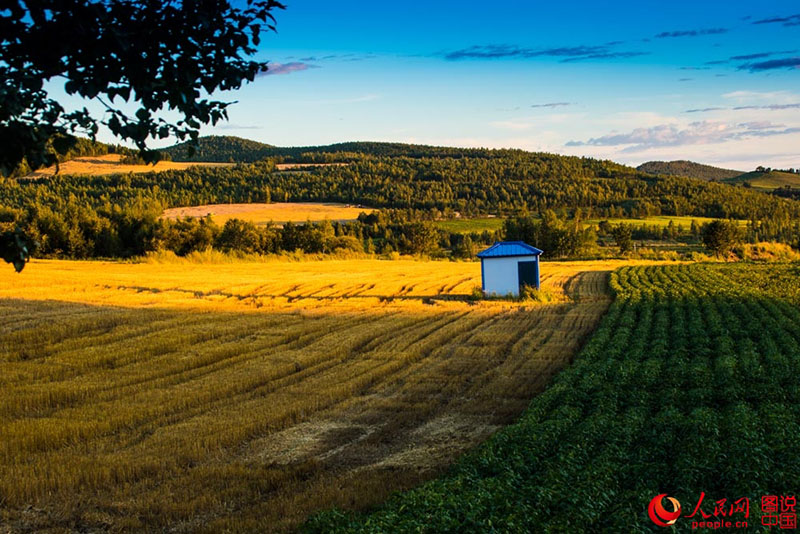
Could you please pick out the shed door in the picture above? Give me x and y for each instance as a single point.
(528, 272)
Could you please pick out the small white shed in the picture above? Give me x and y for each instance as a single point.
(508, 265)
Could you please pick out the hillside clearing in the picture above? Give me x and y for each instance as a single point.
(278, 212)
(246, 396)
(767, 181)
(110, 164)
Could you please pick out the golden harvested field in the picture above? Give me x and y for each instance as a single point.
(242, 397)
(278, 212)
(110, 164)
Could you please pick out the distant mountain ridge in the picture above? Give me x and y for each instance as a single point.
(688, 168)
(224, 149)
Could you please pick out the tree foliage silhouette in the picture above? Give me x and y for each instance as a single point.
(164, 57)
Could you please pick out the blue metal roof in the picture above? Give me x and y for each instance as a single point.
(505, 249)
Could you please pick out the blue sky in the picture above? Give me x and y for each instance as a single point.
(716, 82)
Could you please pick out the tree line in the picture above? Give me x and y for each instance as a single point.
(119, 215)
(78, 231)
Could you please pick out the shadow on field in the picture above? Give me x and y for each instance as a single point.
(450, 297)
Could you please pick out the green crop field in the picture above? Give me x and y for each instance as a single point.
(661, 221)
(466, 226)
(688, 387)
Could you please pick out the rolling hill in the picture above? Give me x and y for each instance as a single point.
(119, 215)
(219, 148)
(688, 168)
(767, 180)
(228, 148)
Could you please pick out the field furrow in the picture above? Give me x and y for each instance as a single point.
(214, 397)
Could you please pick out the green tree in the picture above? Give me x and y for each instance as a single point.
(671, 230)
(522, 228)
(623, 237)
(550, 233)
(239, 235)
(422, 237)
(160, 55)
(694, 229)
(721, 236)
(465, 248)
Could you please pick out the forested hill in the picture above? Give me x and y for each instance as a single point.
(236, 149)
(221, 148)
(118, 215)
(473, 182)
(688, 168)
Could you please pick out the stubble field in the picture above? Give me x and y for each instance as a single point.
(242, 397)
(277, 212)
(112, 164)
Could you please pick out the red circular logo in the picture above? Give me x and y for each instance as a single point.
(659, 515)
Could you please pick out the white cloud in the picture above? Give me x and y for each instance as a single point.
(695, 133)
(759, 95)
(742, 155)
(760, 125)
